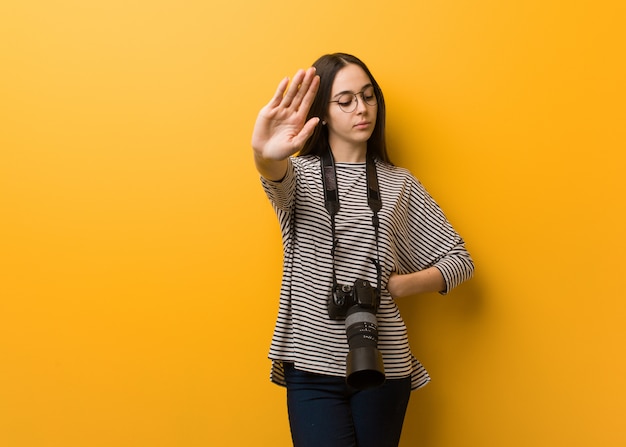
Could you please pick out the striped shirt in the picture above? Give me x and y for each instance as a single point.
(414, 234)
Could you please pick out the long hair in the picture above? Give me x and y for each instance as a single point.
(327, 67)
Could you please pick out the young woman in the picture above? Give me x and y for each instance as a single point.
(338, 238)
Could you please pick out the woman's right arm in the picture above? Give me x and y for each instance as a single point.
(281, 128)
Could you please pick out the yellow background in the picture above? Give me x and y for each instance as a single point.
(140, 260)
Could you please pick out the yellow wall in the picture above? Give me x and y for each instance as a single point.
(140, 260)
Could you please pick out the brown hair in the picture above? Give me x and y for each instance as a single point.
(327, 67)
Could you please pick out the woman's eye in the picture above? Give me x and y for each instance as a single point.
(345, 102)
(369, 93)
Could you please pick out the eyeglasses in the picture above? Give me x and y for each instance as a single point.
(348, 101)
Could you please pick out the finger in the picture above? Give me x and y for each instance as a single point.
(309, 95)
(305, 133)
(310, 81)
(280, 91)
(304, 87)
(292, 91)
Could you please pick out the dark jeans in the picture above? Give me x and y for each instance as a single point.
(325, 412)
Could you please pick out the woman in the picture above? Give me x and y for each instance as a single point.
(334, 235)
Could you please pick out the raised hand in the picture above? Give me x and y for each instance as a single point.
(281, 128)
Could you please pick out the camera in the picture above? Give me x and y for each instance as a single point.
(358, 304)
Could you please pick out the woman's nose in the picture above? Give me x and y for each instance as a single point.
(360, 104)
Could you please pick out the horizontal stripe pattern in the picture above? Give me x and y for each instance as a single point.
(414, 235)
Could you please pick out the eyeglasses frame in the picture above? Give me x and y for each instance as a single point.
(356, 99)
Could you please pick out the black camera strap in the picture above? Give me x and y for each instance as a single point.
(331, 201)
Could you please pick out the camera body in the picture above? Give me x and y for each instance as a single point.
(361, 294)
(358, 304)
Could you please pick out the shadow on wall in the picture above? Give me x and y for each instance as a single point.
(443, 332)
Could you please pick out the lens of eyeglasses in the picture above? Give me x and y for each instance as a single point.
(348, 102)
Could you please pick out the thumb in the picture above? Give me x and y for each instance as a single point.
(306, 132)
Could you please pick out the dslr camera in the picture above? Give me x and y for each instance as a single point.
(358, 304)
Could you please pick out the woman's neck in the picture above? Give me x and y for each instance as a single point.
(349, 154)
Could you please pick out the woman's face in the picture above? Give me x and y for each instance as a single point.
(350, 129)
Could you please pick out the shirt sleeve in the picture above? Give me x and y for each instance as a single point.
(282, 192)
(434, 242)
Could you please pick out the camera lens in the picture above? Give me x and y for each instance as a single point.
(364, 364)
(361, 327)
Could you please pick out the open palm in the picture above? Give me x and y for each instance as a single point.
(281, 128)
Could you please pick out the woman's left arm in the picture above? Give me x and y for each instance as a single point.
(424, 281)
(455, 267)
(431, 255)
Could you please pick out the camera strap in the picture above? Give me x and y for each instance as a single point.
(331, 201)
